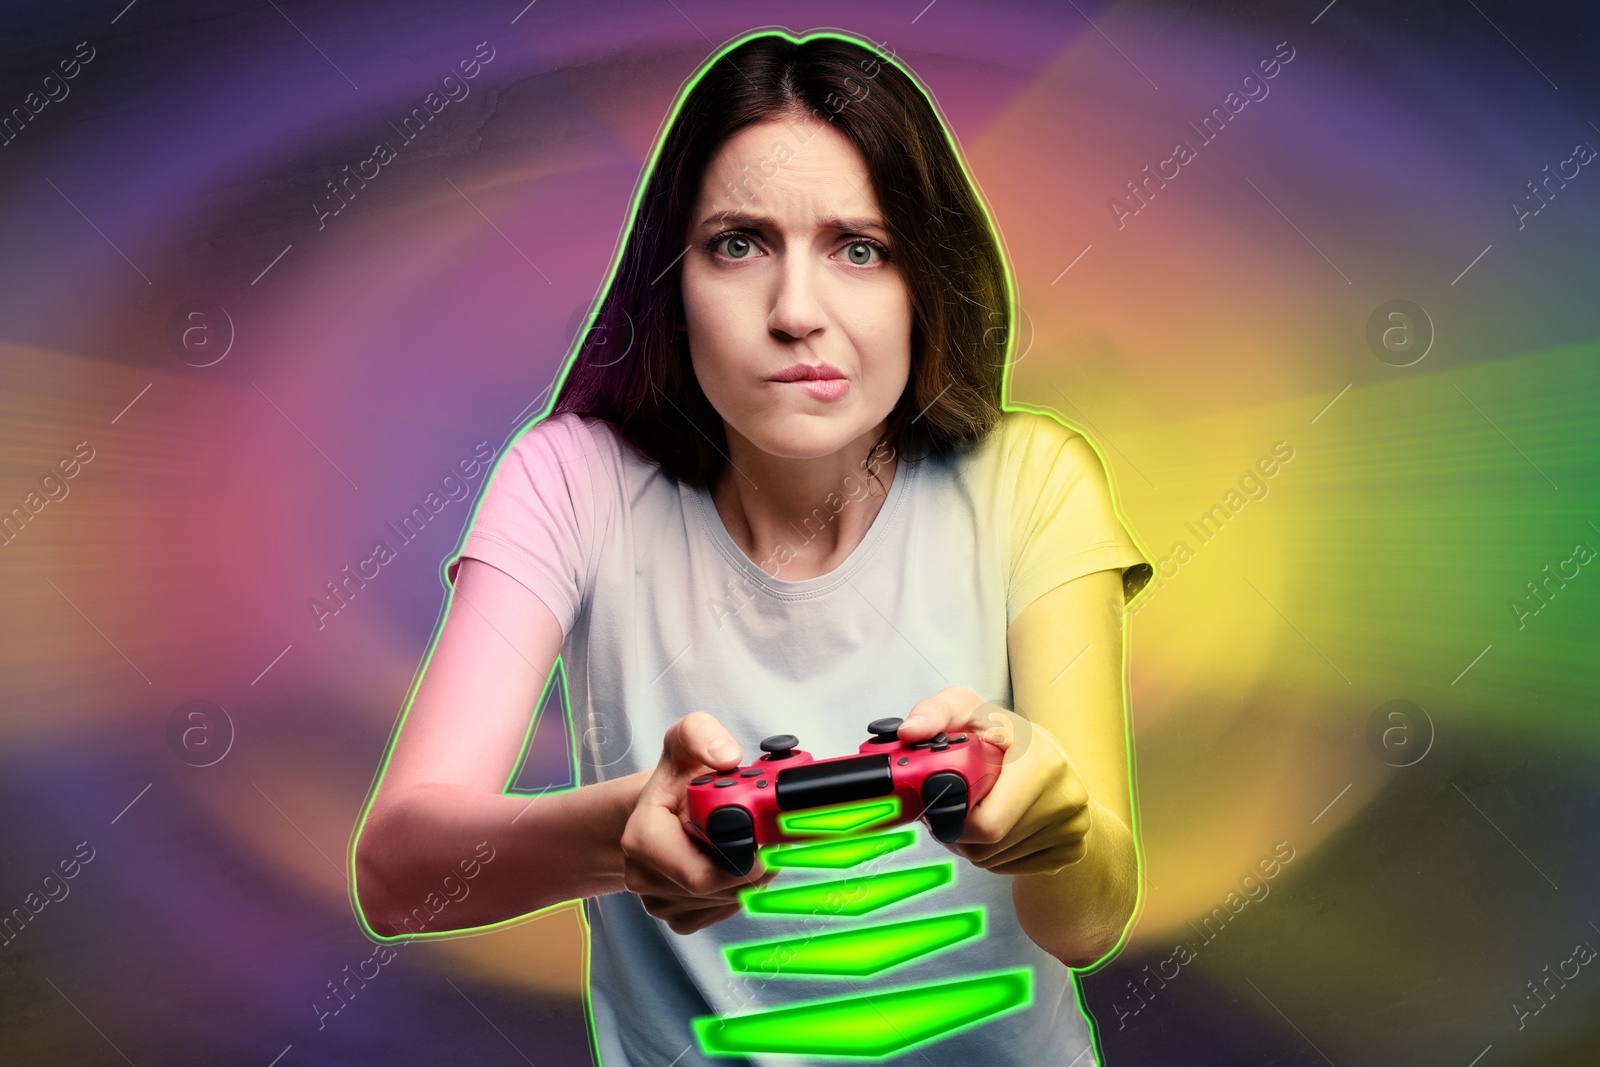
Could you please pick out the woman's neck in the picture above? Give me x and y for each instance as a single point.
(820, 509)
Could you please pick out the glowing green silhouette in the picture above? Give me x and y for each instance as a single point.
(840, 819)
(870, 1025)
(837, 854)
(848, 896)
(857, 953)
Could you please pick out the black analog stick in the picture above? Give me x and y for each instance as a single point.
(884, 731)
(779, 746)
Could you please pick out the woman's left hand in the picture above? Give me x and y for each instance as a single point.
(1035, 818)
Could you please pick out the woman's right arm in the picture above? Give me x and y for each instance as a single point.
(442, 793)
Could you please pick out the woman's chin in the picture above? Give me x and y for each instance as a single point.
(803, 435)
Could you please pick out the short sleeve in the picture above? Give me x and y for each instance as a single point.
(1063, 520)
(536, 519)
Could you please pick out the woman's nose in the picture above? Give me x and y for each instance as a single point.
(797, 310)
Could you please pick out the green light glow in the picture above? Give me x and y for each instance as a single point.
(837, 854)
(871, 1025)
(848, 896)
(860, 952)
(840, 818)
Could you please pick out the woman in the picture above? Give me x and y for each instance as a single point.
(778, 493)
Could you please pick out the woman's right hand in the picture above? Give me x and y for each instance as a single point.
(677, 882)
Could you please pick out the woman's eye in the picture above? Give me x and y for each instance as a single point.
(735, 246)
(860, 253)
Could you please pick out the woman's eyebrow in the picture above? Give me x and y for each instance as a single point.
(739, 218)
(850, 226)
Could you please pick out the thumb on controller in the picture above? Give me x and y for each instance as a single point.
(695, 742)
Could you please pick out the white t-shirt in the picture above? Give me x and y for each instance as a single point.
(663, 614)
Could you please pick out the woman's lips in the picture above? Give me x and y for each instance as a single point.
(822, 388)
(808, 372)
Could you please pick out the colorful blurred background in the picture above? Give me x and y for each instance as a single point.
(1382, 665)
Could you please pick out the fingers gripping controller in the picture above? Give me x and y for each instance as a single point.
(735, 812)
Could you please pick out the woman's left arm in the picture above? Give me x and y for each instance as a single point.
(1058, 819)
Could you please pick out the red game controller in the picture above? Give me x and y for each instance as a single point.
(736, 812)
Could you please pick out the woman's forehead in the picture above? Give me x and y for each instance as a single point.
(766, 175)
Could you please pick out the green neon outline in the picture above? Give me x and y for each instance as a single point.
(558, 675)
(929, 877)
(755, 957)
(876, 812)
(836, 855)
(1015, 984)
(1011, 317)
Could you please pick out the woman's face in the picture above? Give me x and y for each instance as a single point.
(789, 263)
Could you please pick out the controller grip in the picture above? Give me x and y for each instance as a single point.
(731, 834)
(944, 804)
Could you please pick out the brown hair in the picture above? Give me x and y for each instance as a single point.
(939, 233)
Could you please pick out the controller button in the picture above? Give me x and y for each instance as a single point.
(944, 800)
(704, 779)
(749, 772)
(939, 746)
(731, 831)
(958, 739)
(884, 731)
(762, 784)
(920, 744)
(936, 738)
(723, 783)
(902, 761)
(779, 746)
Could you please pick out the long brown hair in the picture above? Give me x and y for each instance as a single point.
(939, 230)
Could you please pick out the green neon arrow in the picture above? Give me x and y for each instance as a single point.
(848, 896)
(837, 854)
(857, 953)
(840, 818)
(873, 1025)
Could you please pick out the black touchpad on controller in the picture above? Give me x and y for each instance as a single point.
(835, 782)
